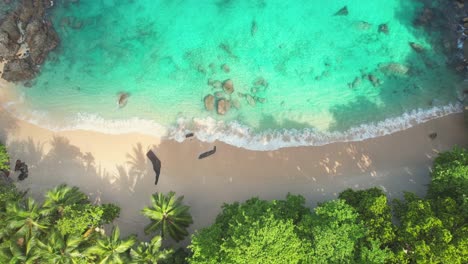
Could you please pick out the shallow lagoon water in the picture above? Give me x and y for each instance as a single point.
(164, 52)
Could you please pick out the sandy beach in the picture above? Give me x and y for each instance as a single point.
(114, 168)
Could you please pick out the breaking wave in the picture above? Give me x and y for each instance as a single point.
(233, 133)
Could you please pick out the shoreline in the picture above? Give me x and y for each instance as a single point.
(210, 130)
(113, 168)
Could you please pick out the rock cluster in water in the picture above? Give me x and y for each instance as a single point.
(223, 98)
(26, 38)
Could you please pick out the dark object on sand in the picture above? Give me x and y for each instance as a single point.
(342, 12)
(17, 165)
(189, 135)
(208, 153)
(23, 168)
(383, 28)
(156, 164)
(433, 135)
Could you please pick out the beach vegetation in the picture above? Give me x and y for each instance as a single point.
(150, 252)
(66, 228)
(169, 216)
(4, 159)
(111, 249)
(361, 226)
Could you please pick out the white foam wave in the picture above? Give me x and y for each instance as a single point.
(233, 133)
(93, 122)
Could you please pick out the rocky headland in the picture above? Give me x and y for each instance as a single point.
(26, 38)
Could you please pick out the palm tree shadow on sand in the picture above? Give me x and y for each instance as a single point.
(7, 125)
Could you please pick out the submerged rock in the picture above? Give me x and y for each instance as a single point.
(394, 68)
(416, 47)
(228, 86)
(356, 82)
(342, 12)
(250, 100)
(260, 99)
(253, 28)
(216, 84)
(219, 94)
(260, 81)
(235, 103)
(374, 80)
(383, 28)
(225, 68)
(209, 101)
(362, 25)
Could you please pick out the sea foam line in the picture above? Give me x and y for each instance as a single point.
(233, 133)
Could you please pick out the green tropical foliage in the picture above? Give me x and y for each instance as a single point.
(4, 158)
(61, 249)
(111, 249)
(169, 217)
(149, 252)
(356, 228)
(61, 196)
(63, 230)
(361, 226)
(253, 232)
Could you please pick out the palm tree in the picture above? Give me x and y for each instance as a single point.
(23, 220)
(19, 251)
(61, 196)
(168, 216)
(59, 249)
(111, 249)
(149, 252)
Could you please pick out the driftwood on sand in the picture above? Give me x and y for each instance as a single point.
(156, 164)
(208, 153)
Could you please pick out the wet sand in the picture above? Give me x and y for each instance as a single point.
(114, 168)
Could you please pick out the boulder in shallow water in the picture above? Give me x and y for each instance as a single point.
(223, 106)
(209, 102)
(228, 86)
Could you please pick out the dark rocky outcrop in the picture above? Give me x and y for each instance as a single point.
(19, 70)
(26, 25)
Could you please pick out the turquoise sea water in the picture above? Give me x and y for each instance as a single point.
(164, 52)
